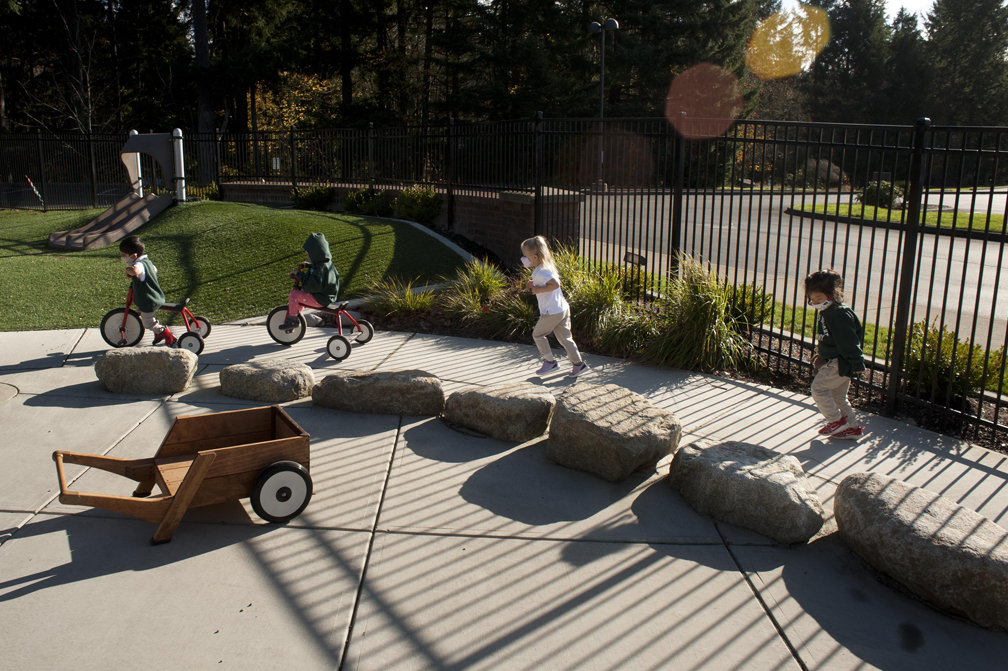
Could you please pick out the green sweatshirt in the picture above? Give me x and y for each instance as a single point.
(840, 338)
(319, 278)
(147, 295)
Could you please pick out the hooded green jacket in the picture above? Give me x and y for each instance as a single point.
(840, 338)
(319, 278)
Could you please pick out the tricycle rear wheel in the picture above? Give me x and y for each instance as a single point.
(111, 323)
(281, 491)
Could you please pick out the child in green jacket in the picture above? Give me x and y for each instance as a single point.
(838, 356)
(147, 294)
(319, 281)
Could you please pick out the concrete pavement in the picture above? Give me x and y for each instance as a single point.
(427, 548)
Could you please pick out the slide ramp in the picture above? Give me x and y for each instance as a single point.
(113, 224)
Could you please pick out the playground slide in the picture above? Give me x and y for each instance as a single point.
(113, 224)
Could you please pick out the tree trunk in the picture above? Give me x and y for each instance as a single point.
(428, 38)
(346, 57)
(115, 64)
(4, 124)
(205, 118)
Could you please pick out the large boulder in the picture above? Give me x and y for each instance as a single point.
(609, 431)
(269, 380)
(146, 370)
(748, 486)
(399, 392)
(944, 553)
(515, 411)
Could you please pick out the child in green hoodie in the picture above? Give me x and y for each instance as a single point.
(838, 356)
(318, 278)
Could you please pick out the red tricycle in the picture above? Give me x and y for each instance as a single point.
(123, 327)
(338, 346)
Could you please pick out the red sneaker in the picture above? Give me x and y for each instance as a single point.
(834, 427)
(166, 336)
(850, 433)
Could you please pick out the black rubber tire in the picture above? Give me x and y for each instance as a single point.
(366, 332)
(276, 317)
(275, 489)
(192, 341)
(338, 347)
(204, 326)
(113, 319)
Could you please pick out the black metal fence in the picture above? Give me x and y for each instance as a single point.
(763, 205)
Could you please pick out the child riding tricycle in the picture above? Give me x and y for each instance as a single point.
(316, 285)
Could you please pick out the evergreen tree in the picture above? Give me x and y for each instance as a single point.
(968, 47)
(845, 84)
(908, 76)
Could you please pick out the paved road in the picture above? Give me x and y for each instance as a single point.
(751, 239)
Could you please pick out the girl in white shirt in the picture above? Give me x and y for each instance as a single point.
(554, 312)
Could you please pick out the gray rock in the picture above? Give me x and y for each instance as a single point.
(748, 486)
(146, 370)
(269, 380)
(516, 411)
(944, 553)
(609, 431)
(312, 318)
(401, 392)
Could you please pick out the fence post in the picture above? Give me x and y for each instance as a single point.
(678, 177)
(451, 173)
(907, 266)
(94, 172)
(370, 155)
(293, 161)
(41, 167)
(537, 225)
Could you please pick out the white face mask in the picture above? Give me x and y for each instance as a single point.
(820, 306)
(127, 261)
(526, 262)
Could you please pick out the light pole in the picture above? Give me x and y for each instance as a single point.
(596, 27)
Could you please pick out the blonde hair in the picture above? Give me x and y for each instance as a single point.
(541, 248)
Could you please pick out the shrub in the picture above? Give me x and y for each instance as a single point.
(317, 197)
(418, 203)
(882, 194)
(698, 331)
(367, 201)
(818, 173)
(398, 297)
(474, 285)
(749, 306)
(936, 359)
(208, 192)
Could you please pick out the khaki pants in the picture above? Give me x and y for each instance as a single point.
(151, 322)
(558, 325)
(829, 391)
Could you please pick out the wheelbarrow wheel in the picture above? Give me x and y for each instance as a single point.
(111, 324)
(281, 491)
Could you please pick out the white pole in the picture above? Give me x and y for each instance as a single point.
(179, 166)
(138, 184)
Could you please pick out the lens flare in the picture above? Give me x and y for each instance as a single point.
(703, 101)
(788, 42)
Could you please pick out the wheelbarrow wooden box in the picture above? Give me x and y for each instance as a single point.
(260, 453)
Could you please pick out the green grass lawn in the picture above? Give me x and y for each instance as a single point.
(231, 259)
(944, 219)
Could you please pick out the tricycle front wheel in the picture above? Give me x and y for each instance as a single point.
(281, 491)
(115, 334)
(276, 319)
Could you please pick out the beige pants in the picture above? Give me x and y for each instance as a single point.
(151, 322)
(829, 391)
(559, 325)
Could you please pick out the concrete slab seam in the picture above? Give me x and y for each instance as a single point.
(553, 539)
(759, 598)
(370, 547)
(74, 348)
(390, 355)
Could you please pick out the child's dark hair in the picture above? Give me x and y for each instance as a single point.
(132, 245)
(827, 282)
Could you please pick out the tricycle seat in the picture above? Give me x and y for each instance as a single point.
(175, 307)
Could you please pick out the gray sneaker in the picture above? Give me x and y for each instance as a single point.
(578, 369)
(547, 367)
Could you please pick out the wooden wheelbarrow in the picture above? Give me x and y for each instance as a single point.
(260, 453)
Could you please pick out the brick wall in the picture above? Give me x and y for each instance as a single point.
(498, 220)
